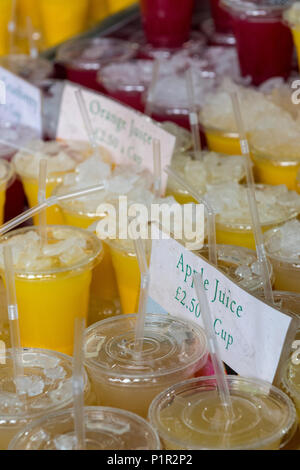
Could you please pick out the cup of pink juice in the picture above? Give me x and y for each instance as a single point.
(82, 59)
(221, 17)
(264, 42)
(167, 23)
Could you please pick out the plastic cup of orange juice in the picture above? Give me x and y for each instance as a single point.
(52, 282)
(6, 178)
(5, 17)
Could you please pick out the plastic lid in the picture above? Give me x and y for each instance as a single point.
(69, 249)
(291, 381)
(32, 70)
(190, 415)
(257, 8)
(171, 345)
(47, 382)
(16, 134)
(93, 53)
(106, 429)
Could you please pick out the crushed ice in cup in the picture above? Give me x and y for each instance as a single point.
(65, 442)
(31, 385)
(284, 241)
(55, 373)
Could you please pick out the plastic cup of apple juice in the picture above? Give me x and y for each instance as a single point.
(172, 349)
(6, 178)
(276, 205)
(190, 416)
(52, 282)
(5, 18)
(62, 158)
(214, 168)
(105, 428)
(60, 21)
(282, 248)
(47, 383)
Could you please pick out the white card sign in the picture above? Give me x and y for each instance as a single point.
(251, 334)
(127, 134)
(21, 102)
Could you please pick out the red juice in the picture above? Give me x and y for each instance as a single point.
(82, 59)
(167, 23)
(221, 17)
(264, 43)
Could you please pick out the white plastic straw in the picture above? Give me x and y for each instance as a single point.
(13, 316)
(33, 50)
(256, 226)
(151, 89)
(144, 287)
(51, 201)
(157, 168)
(42, 198)
(213, 346)
(86, 120)
(193, 115)
(211, 229)
(78, 383)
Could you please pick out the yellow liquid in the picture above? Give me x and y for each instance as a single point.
(104, 285)
(296, 36)
(48, 308)
(202, 424)
(128, 278)
(228, 236)
(98, 10)
(5, 17)
(287, 276)
(117, 5)
(219, 142)
(180, 197)
(62, 19)
(28, 9)
(270, 172)
(2, 203)
(54, 215)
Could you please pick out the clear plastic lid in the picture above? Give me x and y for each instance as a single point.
(170, 345)
(68, 250)
(32, 70)
(190, 415)
(17, 135)
(135, 75)
(47, 384)
(257, 8)
(291, 380)
(6, 173)
(283, 242)
(184, 140)
(94, 53)
(106, 429)
(241, 265)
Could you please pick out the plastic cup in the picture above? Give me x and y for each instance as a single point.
(98, 11)
(172, 349)
(60, 21)
(214, 37)
(106, 429)
(221, 17)
(190, 416)
(286, 268)
(127, 82)
(6, 16)
(104, 298)
(270, 168)
(28, 68)
(6, 178)
(48, 380)
(117, 5)
(53, 289)
(222, 141)
(241, 266)
(82, 59)
(167, 23)
(290, 383)
(27, 169)
(263, 41)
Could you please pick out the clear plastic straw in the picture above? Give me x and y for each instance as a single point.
(41, 199)
(144, 288)
(78, 384)
(33, 50)
(213, 347)
(211, 229)
(51, 201)
(151, 89)
(157, 168)
(193, 115)
(256, 226)
(13, 316)
(86, 120)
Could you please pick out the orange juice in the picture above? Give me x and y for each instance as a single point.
(62, 20)
(117, 5)
(292, 17)
(52, 283)
(6, 177)
(62, 158)
(98, 10)
(6, 8)
(222, 141)
(47, 384)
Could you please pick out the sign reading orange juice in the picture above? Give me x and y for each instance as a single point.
(127, 134)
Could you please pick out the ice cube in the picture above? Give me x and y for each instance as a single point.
(31, 385)
(243, 271)
(65, 442)
(55, 373)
